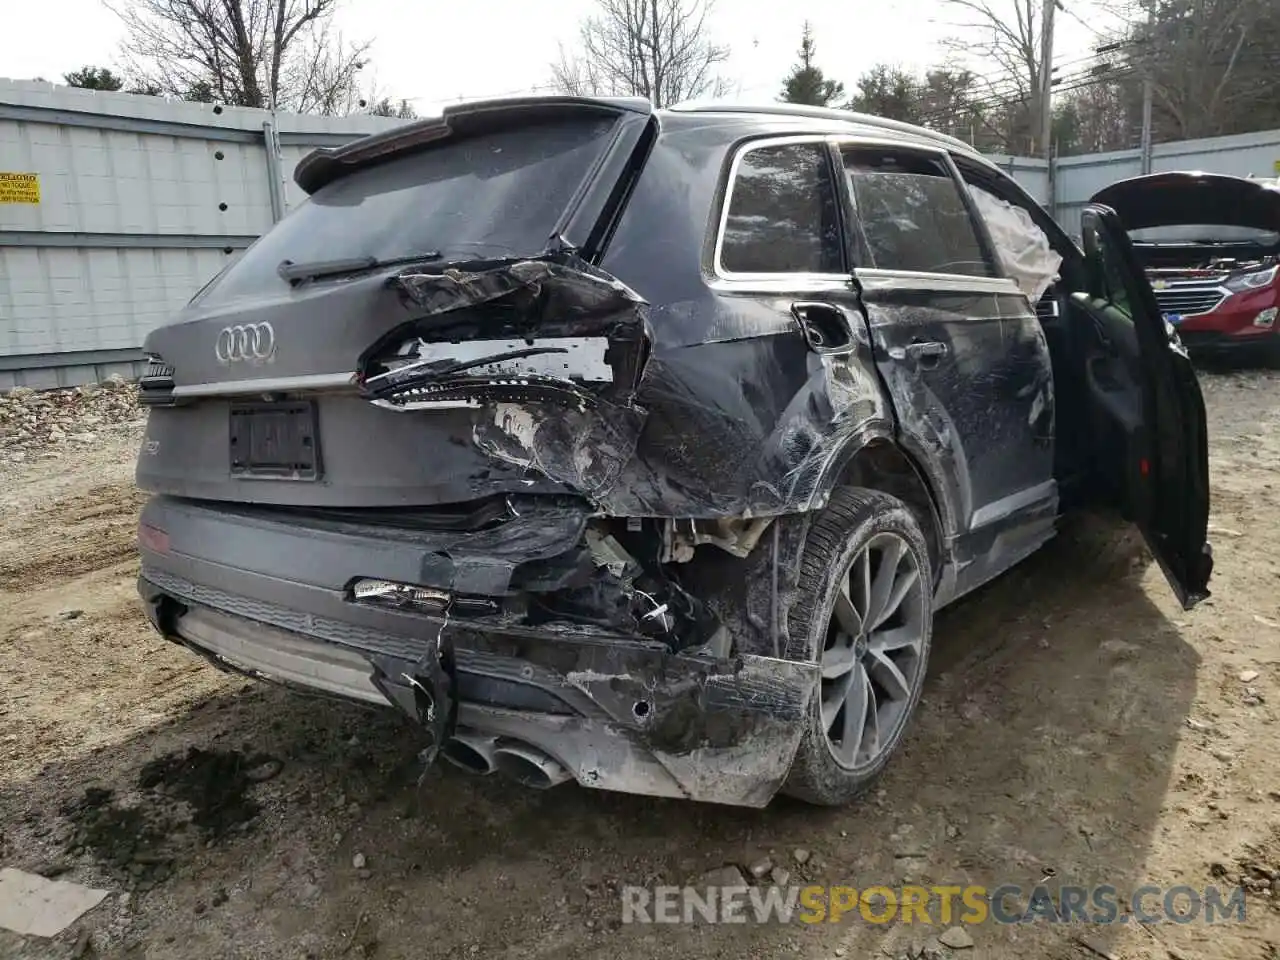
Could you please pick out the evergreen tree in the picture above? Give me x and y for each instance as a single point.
(890, 92)
(806, 83)
(386, 107)
(93, 78)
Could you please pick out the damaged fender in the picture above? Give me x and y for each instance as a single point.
(569, 377)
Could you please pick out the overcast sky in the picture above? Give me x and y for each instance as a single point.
(432, 52)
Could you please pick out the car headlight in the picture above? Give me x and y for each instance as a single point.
(1251, 281)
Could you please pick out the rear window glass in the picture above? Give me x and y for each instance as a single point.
(911, 214)
(499, 194)
(782, 214)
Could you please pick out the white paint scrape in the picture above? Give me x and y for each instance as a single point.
(35, 906)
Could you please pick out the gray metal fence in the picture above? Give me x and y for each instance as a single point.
(1079, 178)
(114, 209)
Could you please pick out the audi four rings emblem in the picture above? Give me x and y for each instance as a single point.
(246, 341)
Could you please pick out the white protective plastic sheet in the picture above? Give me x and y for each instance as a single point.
(1023, 248)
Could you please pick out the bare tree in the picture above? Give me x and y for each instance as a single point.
(1213, 64)
(245, 52)
(659, 49)
(1096, 117)
(1009, 37)
(324, 75)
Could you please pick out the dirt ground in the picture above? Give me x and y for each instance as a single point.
(1077, 726)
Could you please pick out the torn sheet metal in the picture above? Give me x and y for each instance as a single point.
(587, 450)
(516, 544)
(566, 380)
(746, 428)
(576, 358)
(549, 352)
(569, 289)
(725, 730)
(36, 906)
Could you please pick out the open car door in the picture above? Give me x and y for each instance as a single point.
(1148, 413)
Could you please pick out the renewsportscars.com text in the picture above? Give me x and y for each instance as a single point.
(940, 904)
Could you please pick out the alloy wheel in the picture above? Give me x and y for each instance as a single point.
(871, 661)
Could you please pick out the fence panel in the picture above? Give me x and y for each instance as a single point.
(142, 200)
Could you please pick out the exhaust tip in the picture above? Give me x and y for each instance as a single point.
(472, 754)
(530, 767)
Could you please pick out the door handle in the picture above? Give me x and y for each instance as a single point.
(926, 353)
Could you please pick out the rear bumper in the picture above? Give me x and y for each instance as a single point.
(617, 712)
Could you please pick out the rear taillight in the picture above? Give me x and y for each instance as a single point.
(153, 538)
(155, 387)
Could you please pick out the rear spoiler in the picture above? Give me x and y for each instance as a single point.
(326, 164)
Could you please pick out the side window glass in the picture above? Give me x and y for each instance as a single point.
(911, 214)
(782, 214)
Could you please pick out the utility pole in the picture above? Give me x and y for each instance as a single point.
(1146, 125)
(1046, 104)
(1046, 80)
(1148, 91)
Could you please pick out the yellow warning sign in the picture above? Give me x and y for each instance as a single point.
(19, 187)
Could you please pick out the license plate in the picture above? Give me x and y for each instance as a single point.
(275, 441)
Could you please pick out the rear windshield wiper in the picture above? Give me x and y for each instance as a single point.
(315, 269)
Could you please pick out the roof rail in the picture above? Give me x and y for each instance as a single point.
(818, 113)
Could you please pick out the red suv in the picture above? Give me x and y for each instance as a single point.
(1211, 248)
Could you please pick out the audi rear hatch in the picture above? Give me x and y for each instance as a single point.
(400, 338)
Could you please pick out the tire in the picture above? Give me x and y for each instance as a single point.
(858, 523)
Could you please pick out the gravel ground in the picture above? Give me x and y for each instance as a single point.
(1077, 726)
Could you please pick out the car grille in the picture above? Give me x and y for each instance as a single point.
(1189, 302)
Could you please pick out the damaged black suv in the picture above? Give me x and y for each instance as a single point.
(639, 447)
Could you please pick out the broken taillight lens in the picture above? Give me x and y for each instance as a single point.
(153, 538)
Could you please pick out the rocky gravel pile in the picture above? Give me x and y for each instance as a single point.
(33, 420)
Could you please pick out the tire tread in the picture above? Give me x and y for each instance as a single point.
(851, 511)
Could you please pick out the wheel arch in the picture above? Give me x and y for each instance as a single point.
(878, 462)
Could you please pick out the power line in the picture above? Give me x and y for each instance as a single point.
(1077, 81)
(1008, 87)
(1076, 17)
(1008, 91)
(1000, 98)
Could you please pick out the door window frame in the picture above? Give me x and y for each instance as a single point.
(878, 278)
(894, 278)
(982, 175)
(799, 277)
